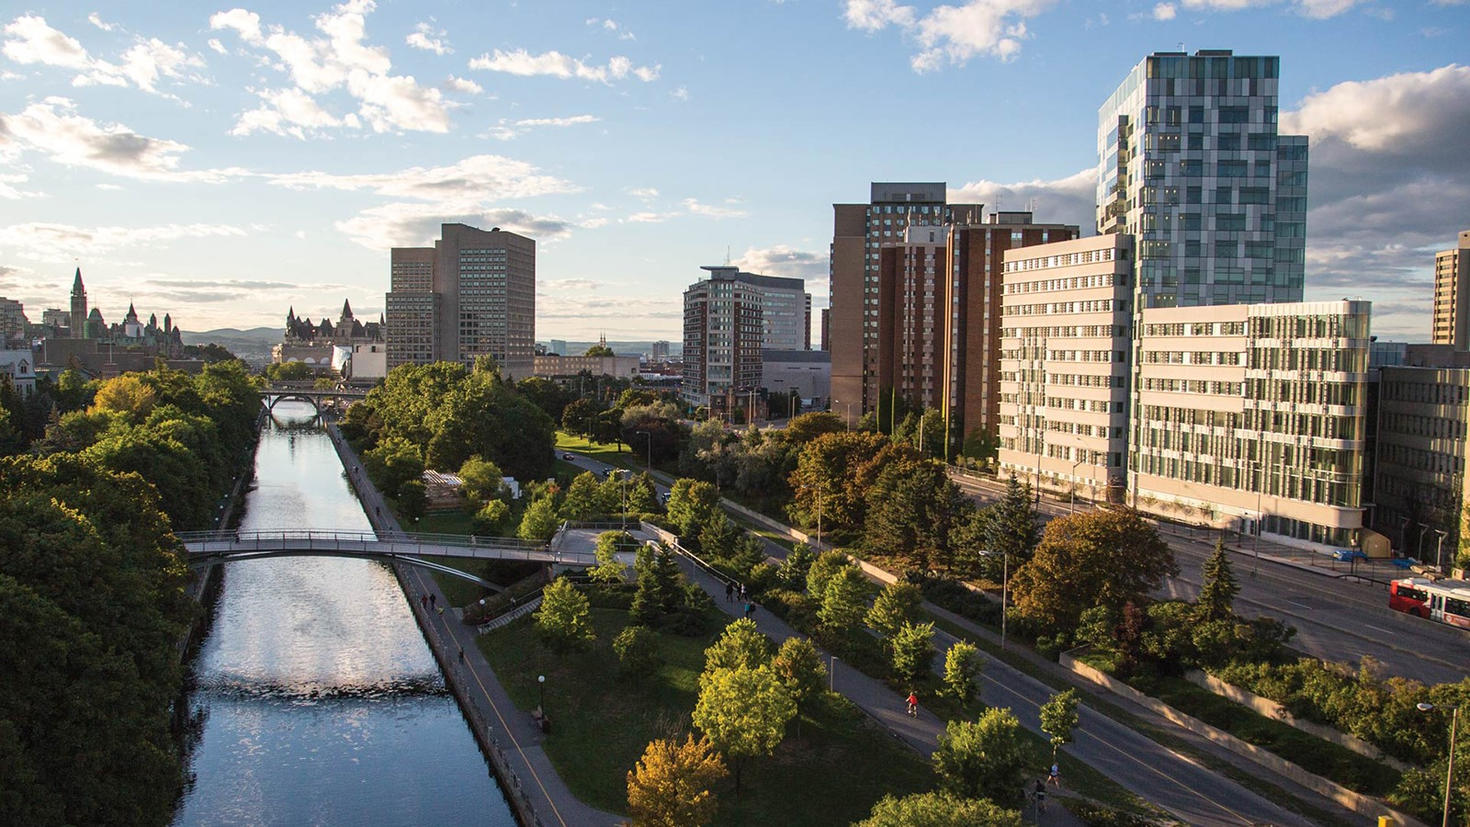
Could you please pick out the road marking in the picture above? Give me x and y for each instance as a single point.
(1299, 603)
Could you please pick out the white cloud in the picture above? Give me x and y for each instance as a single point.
(462, 186)
(555, 64)
(612, 26)
(9, 192)
(217, 46)
(42, 241)
(1066, 200)
(412, 225)
(465, 85)
(341, 60)
(147, 60)
(1164, 11)
(643, 192)
(30, 40)
(425, 37)
(96, 20)
(53, 127)
(710, 211)
(951, 34)
(506, 130)
(284, 112)
(782, 260)
(1319, 9)
(680, 94)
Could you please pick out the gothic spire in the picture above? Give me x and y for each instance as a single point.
(346, 309)
(76, 284)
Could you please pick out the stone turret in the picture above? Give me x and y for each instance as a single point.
(79, 315)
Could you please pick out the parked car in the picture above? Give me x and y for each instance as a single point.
(568, 457)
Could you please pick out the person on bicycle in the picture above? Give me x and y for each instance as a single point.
(914, 704)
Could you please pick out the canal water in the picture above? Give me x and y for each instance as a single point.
(316, 699)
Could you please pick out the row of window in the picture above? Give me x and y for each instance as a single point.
(1063, 260)
(1085, 306)
(1064, 331)
(1195, 357)
(1201, 386)
(1072, 283)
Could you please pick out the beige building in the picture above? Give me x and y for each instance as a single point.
(1251, 417)
(552, 367)
(1419, 479)
(1066, 322)
(472, 294)
(1452, 295)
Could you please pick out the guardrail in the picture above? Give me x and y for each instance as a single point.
(317, 536)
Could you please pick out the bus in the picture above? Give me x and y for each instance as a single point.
(1446, 601)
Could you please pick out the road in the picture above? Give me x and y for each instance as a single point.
(1337, 618)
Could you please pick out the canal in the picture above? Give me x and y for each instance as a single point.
(316, 699)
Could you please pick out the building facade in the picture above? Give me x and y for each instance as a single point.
(1419, 479)
(723, 335)
(473, 294)
(1452, 295)
(1252, 417)
(1190, 162)
(1066, 341)
(786, 307)
(14, 326)
(808, 372)
(551, 366)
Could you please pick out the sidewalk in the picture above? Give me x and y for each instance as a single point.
(508, 735)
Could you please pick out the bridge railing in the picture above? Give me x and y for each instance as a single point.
(321, 536)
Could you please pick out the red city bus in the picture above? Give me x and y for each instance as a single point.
(1446, 601)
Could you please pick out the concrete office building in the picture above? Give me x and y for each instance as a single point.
(808, 372)
(1452, 295)
(723, 335)
(1066, 342)
(786, 307)
(1251, 417)
(472, 294)
(13, 322)
(1190, 162)
(552, 366)
(1419, 480)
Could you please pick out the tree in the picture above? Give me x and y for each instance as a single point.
(1217, 595)
(718, 535)
(599, 350)
(539, 523)
(987, 758)
(799, 666)
(939, 809)
(584, 498)
(129, 395)
(1011, 529)
(393, 462)
(482, 480)
(912, 509)
(793, 570)
(827, 473)
(637, 651)
(962, 666)
(744, 711)
(913, 649)
(413, 500)
(492, 519)
(844, 602)
(690, 504)
(578, 415)
(827, 565)
(1059, 719)
(563, 618)
(1094, 558)
(670, 785)
(740, 645)
(658, 594)
(609, 543)
(896, 605)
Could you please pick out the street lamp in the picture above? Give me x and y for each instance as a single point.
(1072, 503)
(1422, 534)
(1439, 550)
(541, 694)
(1449, 776)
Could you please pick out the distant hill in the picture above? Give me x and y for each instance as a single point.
(620, 348)
(253, 345)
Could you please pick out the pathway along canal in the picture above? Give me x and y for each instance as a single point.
(318, 700)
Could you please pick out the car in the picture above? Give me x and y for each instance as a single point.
(568, 457)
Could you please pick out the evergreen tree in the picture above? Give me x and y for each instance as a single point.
(1217, 595)
(1011, 528)
(896, 605)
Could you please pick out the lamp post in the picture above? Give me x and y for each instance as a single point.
(1424, 532)
(1005, 576)
(1439, 550)
(832, 675)
(1072, 503)
(541, 693)
(1449, 776)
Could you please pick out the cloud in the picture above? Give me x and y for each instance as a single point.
(9, 192)
(951, 34)
(29, 39)
(217, 46)
(53, 127)
(42, 241)
(695, 208)
(612, 26)
(458, 84)
(458, 187)
(340, 60)
(1318, 9)
(555, 64)
(643, 192)
(425, 37)
(1068, 200)
(781, 260)
(416, 225)
(96, 20)
(506, 130)
(285, 112)
(1164, 11)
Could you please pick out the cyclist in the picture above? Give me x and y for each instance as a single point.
(913, 704)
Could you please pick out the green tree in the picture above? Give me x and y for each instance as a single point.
(741, 644)
(539, 523)
(1094, 558)
(482, 480)
(827, 565)
(913, 650)
(939, 809)
(578, 415)
(799, 666)
(599, 350)
(584, 498)
(393, 462)
(793, 570)
(492, 519)
(962, 667)
(1011, 529)
(987, 758)
(844, 602)
(691, 502)
(1059, 719)
(637, 651)
(670, 785)
(1217, 595)
(609, 543)
(129, 395)
(832, 474)
(912, 511)
(744, 711)
(563, 619)
(658, 595)
(896, 604)
(413, 500)
(718, 536)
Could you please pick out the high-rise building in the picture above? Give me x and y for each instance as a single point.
(826, 329)
(724, 330)
(1252, 417)
(1066, 342)
(1190, 162)
(79, 316)
(13, 321)
(558, 346)
(1452, 295)
(659, 351)
(786, 307)
(472, 294)
(1419, 482)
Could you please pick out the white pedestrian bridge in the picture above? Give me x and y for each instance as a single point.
(415, 549)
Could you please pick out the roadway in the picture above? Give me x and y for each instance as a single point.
(1337, 617)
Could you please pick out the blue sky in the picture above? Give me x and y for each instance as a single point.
(224, 163)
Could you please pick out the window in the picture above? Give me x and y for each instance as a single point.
(1230, 222)
(1233, 169)
(1228, 142)
(1234, 114)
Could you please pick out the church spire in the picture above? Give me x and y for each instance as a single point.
(346, 309)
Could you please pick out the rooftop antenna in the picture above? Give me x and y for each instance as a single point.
(727, 255)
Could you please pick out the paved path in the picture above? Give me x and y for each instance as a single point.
(507, 730)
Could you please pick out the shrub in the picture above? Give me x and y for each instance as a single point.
(637, 651)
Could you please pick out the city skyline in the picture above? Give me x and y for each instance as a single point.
(225, 163)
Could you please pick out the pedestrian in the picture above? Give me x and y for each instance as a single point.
(424, 601)
(433, 599)
(750, 609)
(1055, 777)
(461, 654)
(913, 703)
(1039, 793)
(729, 591)
(742, 591)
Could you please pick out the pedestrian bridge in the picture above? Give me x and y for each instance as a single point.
(316, 398)
(415, 549)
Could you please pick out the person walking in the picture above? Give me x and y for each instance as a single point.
(742, 591)
(729, 591)
(1038, 794)
(913, 704)
(1055, 776)
(433, 600)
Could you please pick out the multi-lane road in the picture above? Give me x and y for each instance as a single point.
(1337, 618)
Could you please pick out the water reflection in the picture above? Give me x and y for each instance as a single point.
(320, 702)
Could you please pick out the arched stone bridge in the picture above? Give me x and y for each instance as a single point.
(271, 395)
(223, 546)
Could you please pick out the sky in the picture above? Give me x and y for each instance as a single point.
(224, 164)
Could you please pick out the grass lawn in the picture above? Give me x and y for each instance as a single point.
(602, 722)
(454, 521)
(607, 453)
